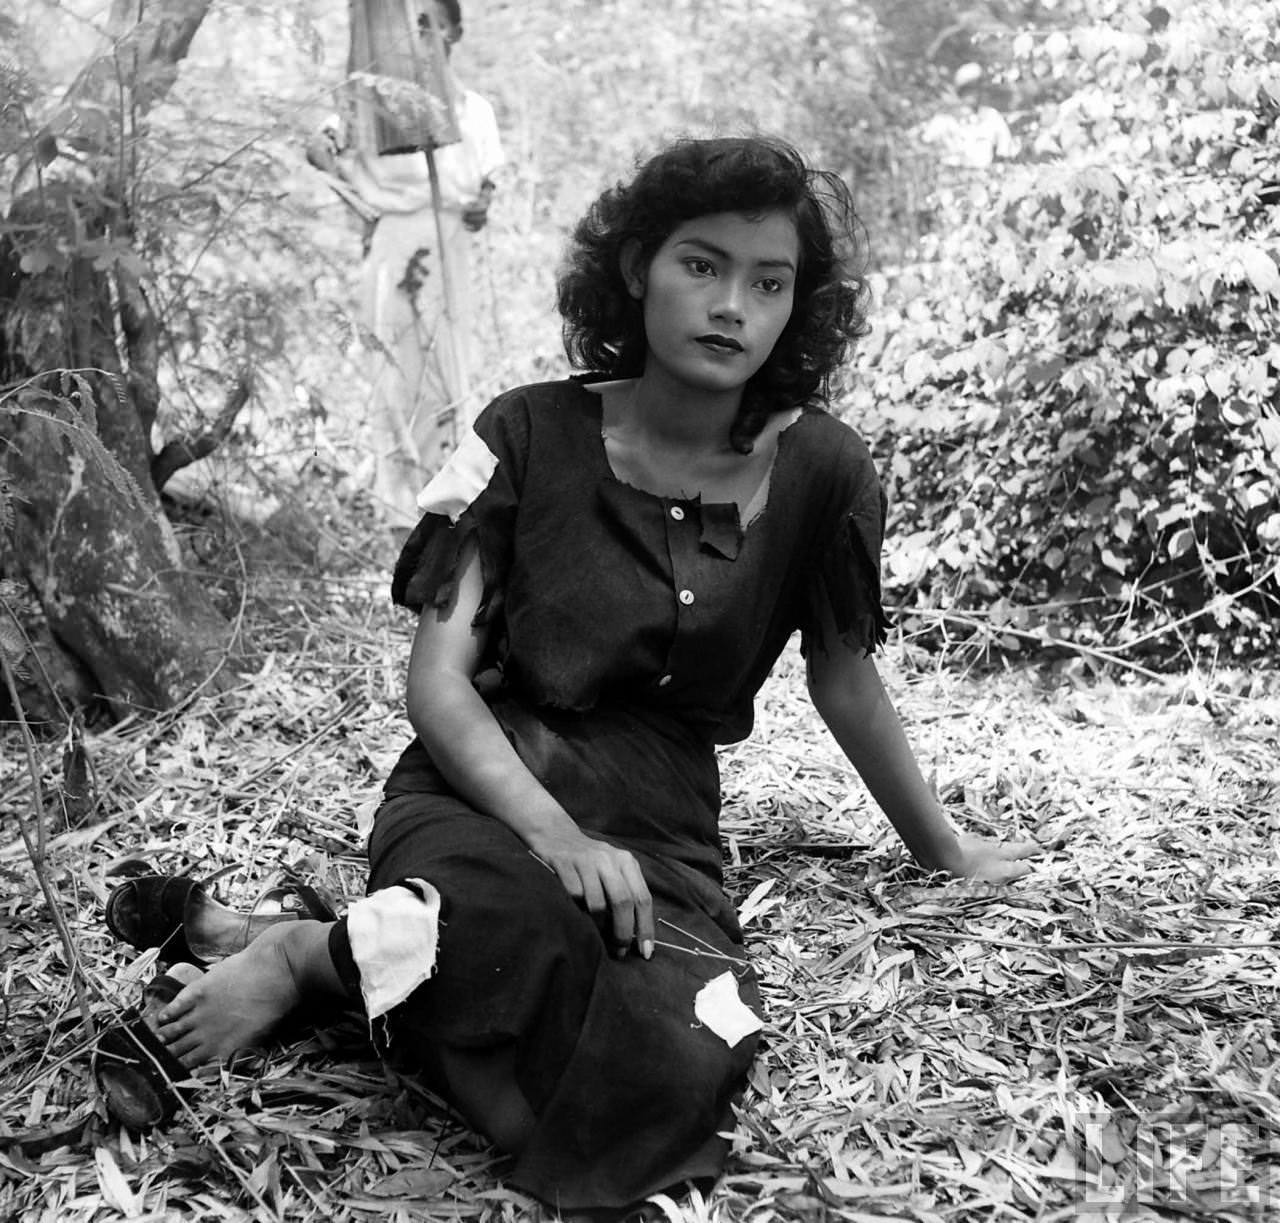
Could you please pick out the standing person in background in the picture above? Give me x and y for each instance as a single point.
(423, 341)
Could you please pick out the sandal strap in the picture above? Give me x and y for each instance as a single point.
(131, 1046)
(159, 911)
(163, 990)
(155, 910)
(314, 904)
(131, 1040)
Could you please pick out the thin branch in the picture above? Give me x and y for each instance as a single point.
(37, 848)
(975, 621)
(1232, 597)
(1113, 655)
(182, 452)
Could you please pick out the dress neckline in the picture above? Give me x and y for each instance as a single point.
(745, 516)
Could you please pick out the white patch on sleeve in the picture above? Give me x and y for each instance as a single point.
(719, 1008)
(394, 934)
(461, 480)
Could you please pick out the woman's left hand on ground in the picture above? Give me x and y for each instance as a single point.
(986, 861)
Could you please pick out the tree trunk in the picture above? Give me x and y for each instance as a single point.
(91, 542)
(105, 567)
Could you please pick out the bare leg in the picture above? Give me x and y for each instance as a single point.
(243, 998)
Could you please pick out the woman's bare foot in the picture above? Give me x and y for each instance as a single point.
(242, 999)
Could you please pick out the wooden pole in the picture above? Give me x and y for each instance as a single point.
(447, 272)
(386, 43)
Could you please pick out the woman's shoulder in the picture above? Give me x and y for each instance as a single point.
(825, 445)
(824, 427)
(518, 408)
(532, 398)
(830, 475)
(542, 422)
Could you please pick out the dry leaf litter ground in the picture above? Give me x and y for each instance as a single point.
(1097, 1042)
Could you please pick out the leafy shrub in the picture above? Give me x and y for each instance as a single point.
(1076, 396)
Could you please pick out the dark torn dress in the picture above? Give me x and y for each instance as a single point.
(632, 632)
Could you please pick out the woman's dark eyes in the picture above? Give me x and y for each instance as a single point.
(704, 267)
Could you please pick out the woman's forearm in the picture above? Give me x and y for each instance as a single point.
(869, 732)
(457, 727)
(476, 758)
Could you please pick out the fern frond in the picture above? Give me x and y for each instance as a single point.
(117, 385)
(119, 477)
(76, 389)
(65, 416)
(88, 445)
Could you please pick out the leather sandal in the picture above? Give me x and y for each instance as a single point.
(161, 910)
(141, 1083)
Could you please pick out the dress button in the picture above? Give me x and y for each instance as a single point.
(664, 681)
(677, 512)
(685, 597)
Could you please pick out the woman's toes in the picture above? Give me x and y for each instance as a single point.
(184, 1048)
(172, 1030)
(177, 1011)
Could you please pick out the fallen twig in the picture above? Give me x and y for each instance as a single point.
(36, 848)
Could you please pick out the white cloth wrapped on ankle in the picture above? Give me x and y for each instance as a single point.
(394, 935)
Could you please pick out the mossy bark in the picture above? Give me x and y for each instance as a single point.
(105, 568)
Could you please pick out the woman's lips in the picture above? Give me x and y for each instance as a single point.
(720, 343)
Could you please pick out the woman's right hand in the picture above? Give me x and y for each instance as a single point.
(606, 879)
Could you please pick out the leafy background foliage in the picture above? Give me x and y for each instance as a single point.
(1075, 391)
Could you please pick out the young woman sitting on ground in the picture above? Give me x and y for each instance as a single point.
(622, 556)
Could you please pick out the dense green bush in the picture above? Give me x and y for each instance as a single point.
(1076, 393)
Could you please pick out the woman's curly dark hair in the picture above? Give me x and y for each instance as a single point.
(604, 324)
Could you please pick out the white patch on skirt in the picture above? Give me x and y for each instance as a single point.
(461, 480)
(394, 935)
(719, 1007)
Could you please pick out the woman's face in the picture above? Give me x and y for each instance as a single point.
(716, 297)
